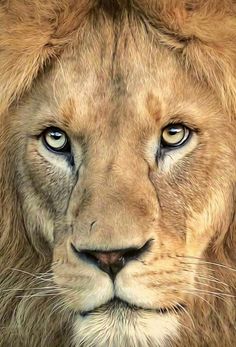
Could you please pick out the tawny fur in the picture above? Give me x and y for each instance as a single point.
(33, 34)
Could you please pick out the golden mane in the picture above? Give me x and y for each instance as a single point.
(33, 34)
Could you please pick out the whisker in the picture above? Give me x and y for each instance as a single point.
(27, 273)
(206, 292)
(212, 279)
(184, 309)
(37, 295)
(205, 275)
(210, 305)
(59, 292)
(207, 262)
(31, 288)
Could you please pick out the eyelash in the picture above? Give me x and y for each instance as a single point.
(174, 121)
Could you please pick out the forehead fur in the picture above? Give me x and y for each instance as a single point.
(34, 33)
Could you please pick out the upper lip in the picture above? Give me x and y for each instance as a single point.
(161, 310)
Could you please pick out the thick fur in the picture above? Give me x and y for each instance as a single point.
(200, 37)
(32, 33)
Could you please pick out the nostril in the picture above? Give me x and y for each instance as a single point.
(88, 256)
(84, 255)
(135, 253)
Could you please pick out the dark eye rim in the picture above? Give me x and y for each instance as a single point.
(186, 138)
(66, 149)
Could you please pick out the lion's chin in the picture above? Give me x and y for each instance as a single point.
(117, 324)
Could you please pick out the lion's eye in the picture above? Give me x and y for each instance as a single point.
(56, 140)
(174, 135)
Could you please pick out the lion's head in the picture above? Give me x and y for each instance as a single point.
(118, 175)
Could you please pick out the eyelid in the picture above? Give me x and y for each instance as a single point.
(43, 126)
(178, 119)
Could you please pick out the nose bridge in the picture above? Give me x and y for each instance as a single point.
(116, 197)
(117, 190)
(109, 171)
(120, 213)
(115, 169)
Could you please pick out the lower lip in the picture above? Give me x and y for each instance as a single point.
(165, 310)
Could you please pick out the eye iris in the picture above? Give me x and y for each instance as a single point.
(55, 139)
(174, 135)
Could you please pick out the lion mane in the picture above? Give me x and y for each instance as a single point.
(33, 34)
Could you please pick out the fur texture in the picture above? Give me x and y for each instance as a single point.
(32, 33)
(44, 45)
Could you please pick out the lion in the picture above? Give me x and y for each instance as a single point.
(117, 173)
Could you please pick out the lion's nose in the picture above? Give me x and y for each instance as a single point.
(111, 261)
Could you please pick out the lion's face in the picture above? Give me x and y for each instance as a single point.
(122, 160)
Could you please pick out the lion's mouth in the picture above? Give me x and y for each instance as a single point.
(117, 304)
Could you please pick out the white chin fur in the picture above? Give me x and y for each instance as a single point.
(120, 327)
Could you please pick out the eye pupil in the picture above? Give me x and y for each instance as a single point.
(55, 135)
(174, 131)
